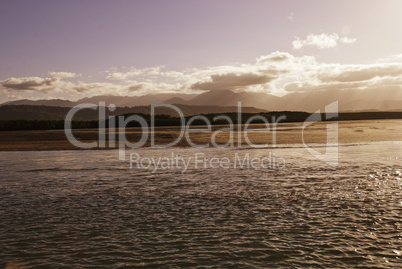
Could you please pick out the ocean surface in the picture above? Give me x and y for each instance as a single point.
(88, 209)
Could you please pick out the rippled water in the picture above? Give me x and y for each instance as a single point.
(87, 209)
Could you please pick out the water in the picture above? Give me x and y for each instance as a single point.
(87, 209)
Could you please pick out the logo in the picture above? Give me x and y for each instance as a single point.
(112, 130)
(330, 156)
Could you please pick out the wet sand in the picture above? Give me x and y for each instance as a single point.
(285, 133)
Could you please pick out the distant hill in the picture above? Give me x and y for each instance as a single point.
(387, 99)
(222, 97)
(348, 100)
(175, 100)
(29, 112)
(230, 98)
(119, 101)
(131, 101)
(54, 102)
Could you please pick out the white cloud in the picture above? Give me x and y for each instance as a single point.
(275, 56)
(133, 72)
(342, 77)
(278, 73)
(61, 75)
(321, 41)
(391, 59)
(347, 40)
(353, 73)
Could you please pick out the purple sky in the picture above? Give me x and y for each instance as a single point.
(93, 38)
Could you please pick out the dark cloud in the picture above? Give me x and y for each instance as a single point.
(233, 81)
(136, 87)
(27, 84)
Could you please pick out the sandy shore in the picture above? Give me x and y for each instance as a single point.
(285, 133)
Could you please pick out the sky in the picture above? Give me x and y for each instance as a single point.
(80, 48)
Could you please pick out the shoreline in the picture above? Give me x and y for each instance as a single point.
(355, 131)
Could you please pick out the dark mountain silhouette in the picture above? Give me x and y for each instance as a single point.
(27, 112)
(175, 100)
(131, 101)
(218, 97)
(261, 100)
(53, 102)
(387, 99)
(119, 101)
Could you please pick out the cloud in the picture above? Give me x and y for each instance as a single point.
(391, 59)
(321, 41)
(291, 16)
(114, 74)
(51, 83)
(238, 77)
(276, 56)
(347, 40)
(342, 77)
(233, 81)
(61, 75)
(14, 96)
(99, 88)
(378, 83)
(352, 73)
(152, 87)
(55, 82)
(278, 73)
(28, 84)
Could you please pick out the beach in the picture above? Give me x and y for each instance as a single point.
(359, 131)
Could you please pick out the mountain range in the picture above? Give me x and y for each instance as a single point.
(388, 99)
(41, 112)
